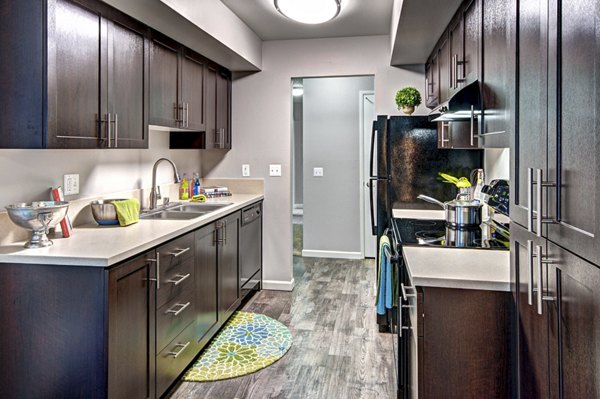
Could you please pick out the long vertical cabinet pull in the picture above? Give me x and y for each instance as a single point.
(530, 272)
(157, 261)
(116, 122)
(540, 184)
(540, 283)
(108, 130)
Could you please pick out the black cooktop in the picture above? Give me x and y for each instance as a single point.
(434, 232)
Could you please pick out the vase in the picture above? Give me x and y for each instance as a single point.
(408, 109)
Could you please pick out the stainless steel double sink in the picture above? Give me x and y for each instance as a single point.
(178, 211)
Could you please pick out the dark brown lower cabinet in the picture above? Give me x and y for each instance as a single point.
(207, 283)
(131, 333)
(73, 331)
(229, 280)
(463, 343)
(558, 312)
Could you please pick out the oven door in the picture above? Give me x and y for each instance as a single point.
(407, 336)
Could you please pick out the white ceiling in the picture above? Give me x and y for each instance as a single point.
(357, 18)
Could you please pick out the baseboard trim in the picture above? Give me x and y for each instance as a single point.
(310, 253)
(277, 285)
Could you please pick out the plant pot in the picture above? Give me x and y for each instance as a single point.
(408, 109)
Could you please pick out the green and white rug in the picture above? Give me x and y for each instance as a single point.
(248, 342)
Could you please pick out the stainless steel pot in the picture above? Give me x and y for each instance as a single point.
(459, 213)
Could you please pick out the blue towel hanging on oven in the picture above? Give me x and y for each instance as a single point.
(384, 280)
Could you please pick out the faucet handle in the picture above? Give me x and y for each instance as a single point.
(157, 193)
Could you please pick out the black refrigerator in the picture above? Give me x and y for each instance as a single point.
(407, 164)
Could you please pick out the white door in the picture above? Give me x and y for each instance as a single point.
(366, 120)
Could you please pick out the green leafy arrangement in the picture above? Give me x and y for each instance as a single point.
(461, 182)
(408, 96)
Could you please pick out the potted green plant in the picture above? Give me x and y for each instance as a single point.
(407, 99)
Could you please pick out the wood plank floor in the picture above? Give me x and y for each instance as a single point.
(337, 353)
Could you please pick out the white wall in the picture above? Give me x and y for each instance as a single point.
(262, 122)
(26, 175)
(331, 222)
(496, 163)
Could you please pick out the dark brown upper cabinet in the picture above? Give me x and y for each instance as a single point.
(464, 36)
(432, 81)
(77, 77)
(176, 85)
(218, 108)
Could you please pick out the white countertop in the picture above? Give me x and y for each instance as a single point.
(476, 269)
(93, 245)
(479, 269)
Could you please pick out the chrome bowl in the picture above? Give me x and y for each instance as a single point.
(104, 212)
(38, 217)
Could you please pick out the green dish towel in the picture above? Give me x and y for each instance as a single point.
(128, 211)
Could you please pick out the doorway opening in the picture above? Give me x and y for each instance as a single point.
(331, 133)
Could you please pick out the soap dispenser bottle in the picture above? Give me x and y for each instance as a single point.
(184, 188)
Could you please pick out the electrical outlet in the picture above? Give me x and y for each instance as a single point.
(245, 170)
(317, 172)
(274, 170)
(71, 184)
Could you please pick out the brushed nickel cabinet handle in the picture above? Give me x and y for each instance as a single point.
(108, 130)
(157, 261)
(182, 346)
(116, 121)
(182, 307)
(530, 257)
(180, 278)
(530, 200)
(179, 252)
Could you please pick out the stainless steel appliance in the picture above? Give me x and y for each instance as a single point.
(251, 247)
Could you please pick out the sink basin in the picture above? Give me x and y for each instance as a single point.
(184, 211)
(172, 215)
(200, 207)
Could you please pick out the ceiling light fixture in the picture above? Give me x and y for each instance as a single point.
(309, 11)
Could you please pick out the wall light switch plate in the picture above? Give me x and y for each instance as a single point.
(71, 184)
(245, 170)
(317, 172)
(274, 170)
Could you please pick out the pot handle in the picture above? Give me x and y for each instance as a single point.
(431, 200)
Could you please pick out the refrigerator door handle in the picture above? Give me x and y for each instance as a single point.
(373, 132)
(372, 180)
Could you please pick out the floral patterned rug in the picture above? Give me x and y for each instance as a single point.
(248, 342)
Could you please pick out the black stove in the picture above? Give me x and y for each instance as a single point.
(435, 233)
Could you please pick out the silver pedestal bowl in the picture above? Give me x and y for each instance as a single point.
(38, 217)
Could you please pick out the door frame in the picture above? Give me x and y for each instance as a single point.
(363, 154)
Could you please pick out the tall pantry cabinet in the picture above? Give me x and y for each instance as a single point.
(555, 199)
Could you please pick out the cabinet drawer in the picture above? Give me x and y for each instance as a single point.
(172, 360)
(175, 253)
(174, 281)
(173, 317)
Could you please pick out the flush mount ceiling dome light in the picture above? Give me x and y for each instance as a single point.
(309, 11)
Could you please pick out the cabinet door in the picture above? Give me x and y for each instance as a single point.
(532, 327)
(131, 329)
(223, 110)
(229, 281)
(210, 100)
(574, 316)
(431, 82)
(206, 279)
(456, 42)
(498, 71)
(164, 80)
(76, 69)
(528, 147)
(192, 88)
(574, 130)
(127, 80)
(468, 70)
(445, 66)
